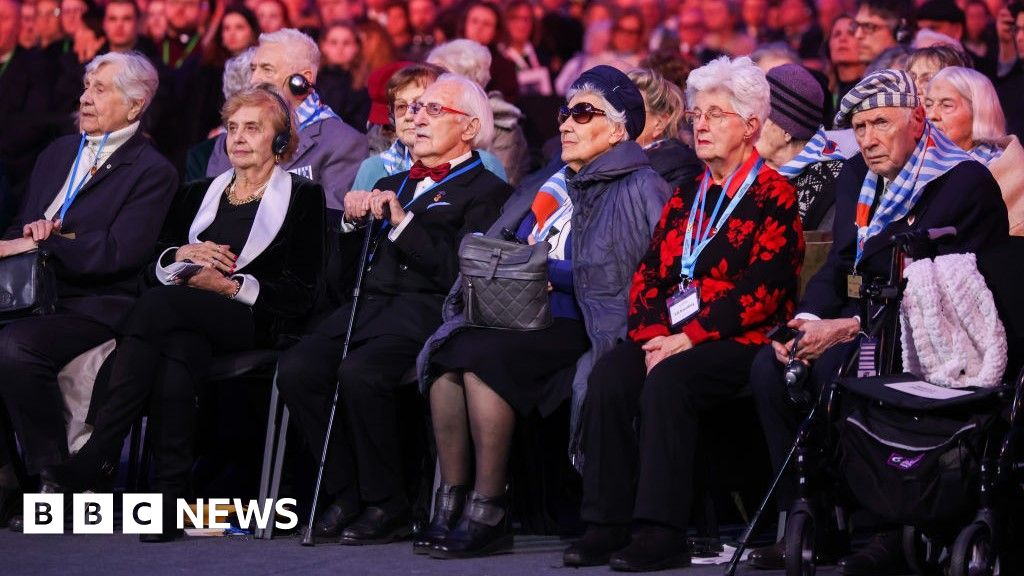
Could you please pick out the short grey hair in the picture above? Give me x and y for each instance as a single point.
(473, 101)
(989, 124)
(135, 78)
(302, 50)
(237, 73)
(776, 50)
(465, 57)
(746, 84)
(615, 116)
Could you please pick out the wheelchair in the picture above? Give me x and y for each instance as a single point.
(948, 468)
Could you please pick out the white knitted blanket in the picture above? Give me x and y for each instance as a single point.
(951, 332)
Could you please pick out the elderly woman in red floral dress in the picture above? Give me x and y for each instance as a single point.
(722, 269)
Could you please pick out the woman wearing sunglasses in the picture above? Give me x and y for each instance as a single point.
(597, 213)
(721, 270)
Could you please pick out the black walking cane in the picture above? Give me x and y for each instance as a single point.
(307, 539)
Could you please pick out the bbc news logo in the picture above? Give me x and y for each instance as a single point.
(144, 513)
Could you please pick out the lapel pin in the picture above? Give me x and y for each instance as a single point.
(438, 196)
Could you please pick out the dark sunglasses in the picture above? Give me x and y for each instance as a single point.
(581, 113)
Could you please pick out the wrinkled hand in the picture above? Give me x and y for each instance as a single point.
(209, 254)
(379, 199)
(356, 205)
(661, 347)
(40, 229)
(820, 335)
(213, 281)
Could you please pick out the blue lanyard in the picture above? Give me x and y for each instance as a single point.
(694, 243)
(73, 188)
(416, 195)
(313, 118)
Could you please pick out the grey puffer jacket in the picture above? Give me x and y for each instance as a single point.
(617, 202)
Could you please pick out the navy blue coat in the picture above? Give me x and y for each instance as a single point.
(111, 229)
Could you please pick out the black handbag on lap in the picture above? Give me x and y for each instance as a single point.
(27, 285)
(505, 284)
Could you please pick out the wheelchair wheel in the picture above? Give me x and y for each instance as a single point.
(921, 552)
(974, 553)
(800, 545)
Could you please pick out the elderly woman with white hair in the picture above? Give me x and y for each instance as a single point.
(597, 214)
(722, 269)
(963, 104)
(94, 203)
(473, 60)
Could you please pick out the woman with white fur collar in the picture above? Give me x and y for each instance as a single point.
(240, 258)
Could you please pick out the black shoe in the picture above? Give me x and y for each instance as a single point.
(333, 520)
(883, 556)
(168, 535)
(449, 502)
(771, 557)
(46, 486)
(483, 530)
(10, 505)
(597, 545)
(375, 526)
(652, 548)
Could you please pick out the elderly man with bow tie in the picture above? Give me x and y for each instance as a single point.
(419, 217)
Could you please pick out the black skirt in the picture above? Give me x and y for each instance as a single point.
(517, 365)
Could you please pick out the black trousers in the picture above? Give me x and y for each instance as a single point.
(169, 339)
(779, 418)
(657, 456)
(364, 460)
(32, 352)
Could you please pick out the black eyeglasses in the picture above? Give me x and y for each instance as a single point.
(581, 113)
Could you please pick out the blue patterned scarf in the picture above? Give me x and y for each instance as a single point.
(986, 152)
(552, 206)
(312, 110)
(396, 158)
(934, 155)
(819, 148)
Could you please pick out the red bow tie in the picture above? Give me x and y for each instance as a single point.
(437, 173)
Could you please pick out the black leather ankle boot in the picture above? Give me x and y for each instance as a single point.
(449, 502)
(483, 530)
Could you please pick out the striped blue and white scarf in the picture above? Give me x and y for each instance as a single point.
(986, 152)
(819, 148)
(934, 155)
(396, 158)
(552, 206)
(312, 110)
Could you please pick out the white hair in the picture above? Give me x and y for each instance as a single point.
(989, 123)
(303, 52)
(611, 113)
(135, 77)
(237, 73)
(465, 57)
(746, 84)
(472, 100)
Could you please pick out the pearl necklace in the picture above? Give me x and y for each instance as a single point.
(235, 201)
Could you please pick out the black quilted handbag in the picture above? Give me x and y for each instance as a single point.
(505, 284)
(27, 286)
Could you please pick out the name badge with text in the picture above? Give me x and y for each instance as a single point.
(683, 306)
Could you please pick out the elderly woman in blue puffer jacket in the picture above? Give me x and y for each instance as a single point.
(597, 212)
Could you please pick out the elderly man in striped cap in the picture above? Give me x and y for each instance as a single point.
(908, 176)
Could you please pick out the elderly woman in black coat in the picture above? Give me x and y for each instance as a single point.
(239, 260)
(597, 213)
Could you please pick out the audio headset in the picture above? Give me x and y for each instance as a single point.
(901, 32)
(298, 85)
(281, 140)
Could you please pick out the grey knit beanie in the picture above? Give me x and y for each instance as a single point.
(797, 100)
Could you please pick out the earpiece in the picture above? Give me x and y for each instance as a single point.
(281, 140)
(902, 32)
(298, 85)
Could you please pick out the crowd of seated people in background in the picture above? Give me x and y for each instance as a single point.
(201, 176)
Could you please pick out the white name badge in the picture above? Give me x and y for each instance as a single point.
(684, 306)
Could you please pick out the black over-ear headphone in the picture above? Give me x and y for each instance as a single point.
(298, 85)
(902, 31)
(281, 140)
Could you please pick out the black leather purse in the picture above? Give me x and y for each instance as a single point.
(27, 285)
(505, 284)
